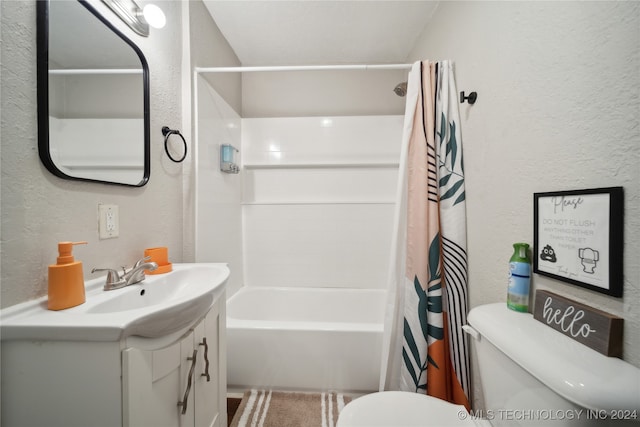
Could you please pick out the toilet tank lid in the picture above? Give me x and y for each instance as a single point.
(571, 369)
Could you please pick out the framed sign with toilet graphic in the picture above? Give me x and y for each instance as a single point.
(578, 237)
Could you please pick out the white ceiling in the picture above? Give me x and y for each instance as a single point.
(314, 32)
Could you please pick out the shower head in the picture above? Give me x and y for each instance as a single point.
(401, 89)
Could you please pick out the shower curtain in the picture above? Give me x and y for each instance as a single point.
(425, 350)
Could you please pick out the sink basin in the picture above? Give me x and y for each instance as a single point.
(160, 305)
(151, 292)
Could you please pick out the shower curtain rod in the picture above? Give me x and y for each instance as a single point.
(302, 68)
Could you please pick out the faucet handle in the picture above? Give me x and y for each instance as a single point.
(142, 261)
(113, 278)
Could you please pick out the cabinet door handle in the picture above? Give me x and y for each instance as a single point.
(206, 359)
(186, 393)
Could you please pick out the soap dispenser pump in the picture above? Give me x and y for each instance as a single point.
(66, 279)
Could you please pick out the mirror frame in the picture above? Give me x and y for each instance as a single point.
(42, 43)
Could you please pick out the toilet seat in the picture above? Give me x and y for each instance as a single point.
(404, 409)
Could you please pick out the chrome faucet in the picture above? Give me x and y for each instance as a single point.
(131, 277)
(136, 274)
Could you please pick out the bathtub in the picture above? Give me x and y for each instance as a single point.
(304, 338)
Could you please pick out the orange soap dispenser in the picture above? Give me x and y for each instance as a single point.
(66, 279)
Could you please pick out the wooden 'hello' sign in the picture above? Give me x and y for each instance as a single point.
(594, 328)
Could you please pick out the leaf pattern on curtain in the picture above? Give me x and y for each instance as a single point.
(434, 350)
(447, 167)
(423, 276)
(453, 225)
(429, 303)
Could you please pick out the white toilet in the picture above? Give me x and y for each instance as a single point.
(530, 374)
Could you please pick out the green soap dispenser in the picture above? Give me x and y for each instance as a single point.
(519, 278)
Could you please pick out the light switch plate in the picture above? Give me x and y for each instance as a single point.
(108, 221)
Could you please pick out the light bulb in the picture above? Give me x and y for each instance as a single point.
(154, 16)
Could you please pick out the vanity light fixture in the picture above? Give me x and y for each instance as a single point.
(154, 16)
(135, 17)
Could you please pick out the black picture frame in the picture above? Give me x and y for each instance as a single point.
(578, 237)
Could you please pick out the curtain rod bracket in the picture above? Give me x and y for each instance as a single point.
(471, 99)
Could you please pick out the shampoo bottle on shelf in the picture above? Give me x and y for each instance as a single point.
(66, 279)
(519, 278)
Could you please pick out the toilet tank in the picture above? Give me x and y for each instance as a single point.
(531, 374)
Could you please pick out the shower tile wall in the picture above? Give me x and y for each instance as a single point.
(318, 196)
(218, 214)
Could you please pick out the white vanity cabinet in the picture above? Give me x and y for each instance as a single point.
(182, 384)
(133, 382)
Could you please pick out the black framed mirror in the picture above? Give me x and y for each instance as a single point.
(93, 97)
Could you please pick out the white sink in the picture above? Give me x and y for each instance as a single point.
(160, 305)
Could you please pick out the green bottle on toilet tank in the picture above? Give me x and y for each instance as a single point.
(519, 278)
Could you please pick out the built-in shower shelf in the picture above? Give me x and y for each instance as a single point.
(321, 165)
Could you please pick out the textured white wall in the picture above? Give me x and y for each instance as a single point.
(39, 209)
(558, 109)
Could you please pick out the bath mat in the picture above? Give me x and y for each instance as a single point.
(268, 408)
